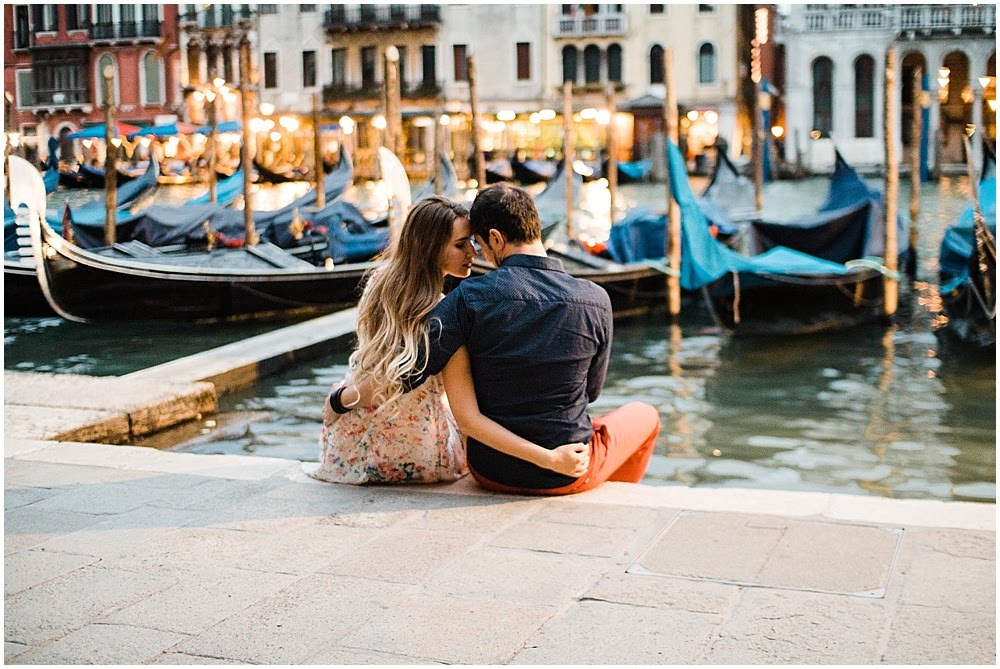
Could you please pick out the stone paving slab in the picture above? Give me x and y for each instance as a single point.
(841, 558)
(126, 555)
(69, 407)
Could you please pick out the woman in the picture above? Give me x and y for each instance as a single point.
(413, 436)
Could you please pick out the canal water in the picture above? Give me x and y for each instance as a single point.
(889, 411)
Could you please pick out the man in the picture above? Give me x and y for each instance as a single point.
(539, 342)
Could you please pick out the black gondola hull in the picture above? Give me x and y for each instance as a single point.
(755, 305)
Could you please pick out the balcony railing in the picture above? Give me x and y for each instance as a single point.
(374, 17)
(62, 96)
(598, 25)
(902, 18)
(126, 30)
(335, 92)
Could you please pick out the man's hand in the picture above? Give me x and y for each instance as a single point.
(570, 459)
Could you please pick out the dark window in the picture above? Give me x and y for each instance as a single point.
(592, 64)
(706, 64)
(228, 72)
(151, 68)
(270, 69)
(338, 59)
(428, 60)
(706, 9)
(308, 69)
(864, 97)
(369, 57)
(267, 9)
(22, 30)
(569, 55)
(78, 17)
(615, 63)
(25, 88)
(656, 64)
(523, 61)
(227, 15)
(150, 14)
(194, 65)
(822, 75)
(104, 15)
(657, 9)
(127, 13)
(461, 63)
(568, 10)
(307, 9)
(45, 19)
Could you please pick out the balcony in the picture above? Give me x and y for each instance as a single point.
(348, 18)
(129, 30)
(62, 96)
(341, 92)
(597, 25)
(901, 19)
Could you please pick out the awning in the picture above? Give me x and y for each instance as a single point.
(99, 131)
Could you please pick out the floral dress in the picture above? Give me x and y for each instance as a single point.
(414, 441)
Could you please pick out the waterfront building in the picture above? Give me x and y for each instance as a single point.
(210, 38)
(835, 62)
(53, 57)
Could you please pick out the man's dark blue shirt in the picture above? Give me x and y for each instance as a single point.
(539, 342)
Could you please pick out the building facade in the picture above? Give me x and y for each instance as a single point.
(53, 58)
(835, 62)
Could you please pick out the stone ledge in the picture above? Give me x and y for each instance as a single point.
(794, 504)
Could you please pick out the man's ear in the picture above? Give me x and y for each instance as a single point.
(497, 238)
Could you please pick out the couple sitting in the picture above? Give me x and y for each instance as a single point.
(521, 352)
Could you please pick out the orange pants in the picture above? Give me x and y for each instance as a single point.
(620, 450)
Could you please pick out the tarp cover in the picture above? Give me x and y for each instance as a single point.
(959, 241)
(703, 258)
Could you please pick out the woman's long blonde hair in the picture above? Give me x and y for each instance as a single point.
(400, 295)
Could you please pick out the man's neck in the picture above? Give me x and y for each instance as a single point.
(535, 248)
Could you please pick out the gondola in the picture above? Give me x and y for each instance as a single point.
(135, 280)
(132, 195)
(266, 175)
(823, 272)
(968, 269)
(728, 200)
(529, 172)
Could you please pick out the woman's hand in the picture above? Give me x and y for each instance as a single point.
(349, 398)
(570, 459)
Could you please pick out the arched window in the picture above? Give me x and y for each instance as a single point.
(152, 90)
(103, 62)
(615, 63)
(656, 64)
(822, 74)
(706, 64)
(569, 63)
(864, 96)
(592, 64)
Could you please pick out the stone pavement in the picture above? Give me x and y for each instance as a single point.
(124, 555)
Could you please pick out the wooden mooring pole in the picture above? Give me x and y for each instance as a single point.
(612, 174)
(891, 282)
(673, 210)
(393, 106)
(318, 153)
(568, 154)
(110, 167)
(916, 129)
(249, 231)
(479, 165)
(438, 146)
